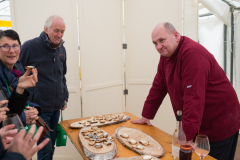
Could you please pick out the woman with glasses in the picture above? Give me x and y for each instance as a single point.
(14, 80)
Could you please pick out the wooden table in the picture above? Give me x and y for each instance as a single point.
(162, 137)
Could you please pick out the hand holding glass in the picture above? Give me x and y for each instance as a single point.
(13, 119)
(202, 146)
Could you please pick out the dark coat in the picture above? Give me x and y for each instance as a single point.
(13, 82)
(51, 90)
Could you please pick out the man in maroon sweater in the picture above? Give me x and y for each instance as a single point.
(198, 86)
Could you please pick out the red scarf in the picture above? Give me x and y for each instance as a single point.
(17, 73)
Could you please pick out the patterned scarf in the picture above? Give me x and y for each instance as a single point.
(17, 73)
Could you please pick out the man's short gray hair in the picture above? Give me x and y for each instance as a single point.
(50, 19)
(169, 27)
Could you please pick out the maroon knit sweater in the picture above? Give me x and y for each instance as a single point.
(198, 86)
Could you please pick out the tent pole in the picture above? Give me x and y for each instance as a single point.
(232, 45)
(225, 48)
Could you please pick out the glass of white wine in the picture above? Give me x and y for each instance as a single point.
(202, 147)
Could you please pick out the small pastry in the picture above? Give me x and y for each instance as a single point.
(91, 143)
(98, 145)
(140, 147)
(90, 135)
(87, 124)
(147, 157)
(107, 143)
(105, 134)
(29, 67)
(100, 135)
(124, 135)
(109, 138)
(143, 142)
(82, 122)
(113, 116)
(108, 118)
(132, 141)
(102, 121)
(134, 146)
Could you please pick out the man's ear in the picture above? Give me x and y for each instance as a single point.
(45, 30)
(176, 35)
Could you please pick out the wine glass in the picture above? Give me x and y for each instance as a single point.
(202, 146)
(13, 119)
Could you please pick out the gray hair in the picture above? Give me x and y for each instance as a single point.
(169, 27)
(50, 19)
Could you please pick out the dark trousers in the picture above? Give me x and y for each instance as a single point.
(225, 149)
(51, 118)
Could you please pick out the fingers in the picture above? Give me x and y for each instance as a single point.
(3, 113)
(35, 73)
(21, 134)
(39, 147)
(37, 135)
(28, 137)
(8, 131)
(4, 109)
(26, 73)
(35, 117)
(64, 107)
(33, 111)
(148, 123)
(138, 121)
(3, 102)
(11, 126)
(28, 107)
(142, 121)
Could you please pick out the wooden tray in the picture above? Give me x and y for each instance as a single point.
(93, 153)
(82, 123)
(154, 148)
(135, 158)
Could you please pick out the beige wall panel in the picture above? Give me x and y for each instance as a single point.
(28, 18)
(141, 17)
(190, 19)
(106, 105)
(100, 24)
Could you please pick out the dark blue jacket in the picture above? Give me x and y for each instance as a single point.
(51, 89)
(13, 82)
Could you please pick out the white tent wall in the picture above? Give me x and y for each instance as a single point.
(219, 9)
(211, 36)
(237, 52)
(4, 14)
(222, 11)
(28, 18)
(101, 56)
(141, 56)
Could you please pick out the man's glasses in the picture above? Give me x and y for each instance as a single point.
(7, 47)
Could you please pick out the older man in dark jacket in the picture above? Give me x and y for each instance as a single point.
(48, 55)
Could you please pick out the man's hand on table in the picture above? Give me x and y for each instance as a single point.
(143, 120)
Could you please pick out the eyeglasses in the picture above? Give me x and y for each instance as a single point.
(7, 47)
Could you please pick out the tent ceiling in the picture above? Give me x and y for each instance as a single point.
(4, 8)
(204, 11)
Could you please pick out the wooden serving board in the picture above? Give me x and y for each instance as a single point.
(135, 158)
(82, 123)
(154, 148)
(93, 153)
